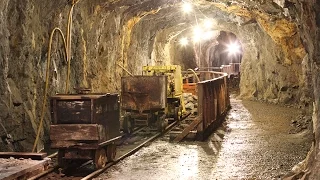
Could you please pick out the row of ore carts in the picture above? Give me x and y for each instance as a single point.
(87, 126)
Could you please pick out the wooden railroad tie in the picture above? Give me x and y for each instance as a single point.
(186, 131)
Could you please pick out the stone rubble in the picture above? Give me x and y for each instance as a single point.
(12, 162)
(191, 103)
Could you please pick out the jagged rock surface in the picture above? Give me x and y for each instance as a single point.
(279, 38)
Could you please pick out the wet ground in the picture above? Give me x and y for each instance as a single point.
(253, 143)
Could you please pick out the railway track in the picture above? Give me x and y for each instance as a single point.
(128, 146)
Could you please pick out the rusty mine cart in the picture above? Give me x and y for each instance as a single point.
(85, 127)
(153, 98)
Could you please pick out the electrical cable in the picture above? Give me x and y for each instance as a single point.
(46, 85)
(195, 74)
(67, 45)
(69, 34)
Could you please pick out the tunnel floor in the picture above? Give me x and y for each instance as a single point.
(253, 143)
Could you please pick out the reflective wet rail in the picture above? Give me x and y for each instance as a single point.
(85, 171)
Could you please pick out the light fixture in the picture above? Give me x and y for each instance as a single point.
(208, 23)
(197, 32)
(233, 48)
(184, 41)
(186, 7)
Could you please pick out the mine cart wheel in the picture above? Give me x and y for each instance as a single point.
(127, 124)
(61, 162)
(162, 123)
(177, 113)
(111, 152)
(100, 158)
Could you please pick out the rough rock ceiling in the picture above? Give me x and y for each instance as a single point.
(272, 16)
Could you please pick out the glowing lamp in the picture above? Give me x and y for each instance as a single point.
(187, 7)
(233, 48)
(207, 23)
(184, 41)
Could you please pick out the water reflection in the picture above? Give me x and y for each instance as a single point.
(243, 148)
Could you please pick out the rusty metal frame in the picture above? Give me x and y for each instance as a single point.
(213, 103)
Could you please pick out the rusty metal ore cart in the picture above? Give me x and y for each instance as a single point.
(144, 101)
(85, 127)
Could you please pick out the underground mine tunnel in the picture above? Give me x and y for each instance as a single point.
(241, 76)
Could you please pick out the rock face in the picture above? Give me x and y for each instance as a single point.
(279, 39)
(308, 18)
(267, 73)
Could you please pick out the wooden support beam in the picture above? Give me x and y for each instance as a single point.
(25, 155)
(186, 131)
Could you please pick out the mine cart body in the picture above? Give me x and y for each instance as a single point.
(85, 126)
(144, 101)
(144, 93)
(175, 106)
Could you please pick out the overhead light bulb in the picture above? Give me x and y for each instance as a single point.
(184, 41)
(186, 7)
(208, 23)
(233, 48)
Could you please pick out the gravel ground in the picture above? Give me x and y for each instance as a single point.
(253, 143)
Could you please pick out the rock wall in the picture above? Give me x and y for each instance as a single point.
(22, 56)
(97, 37)
(264, 76)
(272, 54)
(308, 21)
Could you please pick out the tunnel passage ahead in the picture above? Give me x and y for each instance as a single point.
(254, 142)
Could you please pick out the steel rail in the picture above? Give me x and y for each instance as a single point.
(48, 171)
(43, 173)
(100, 171)
(108, 165)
